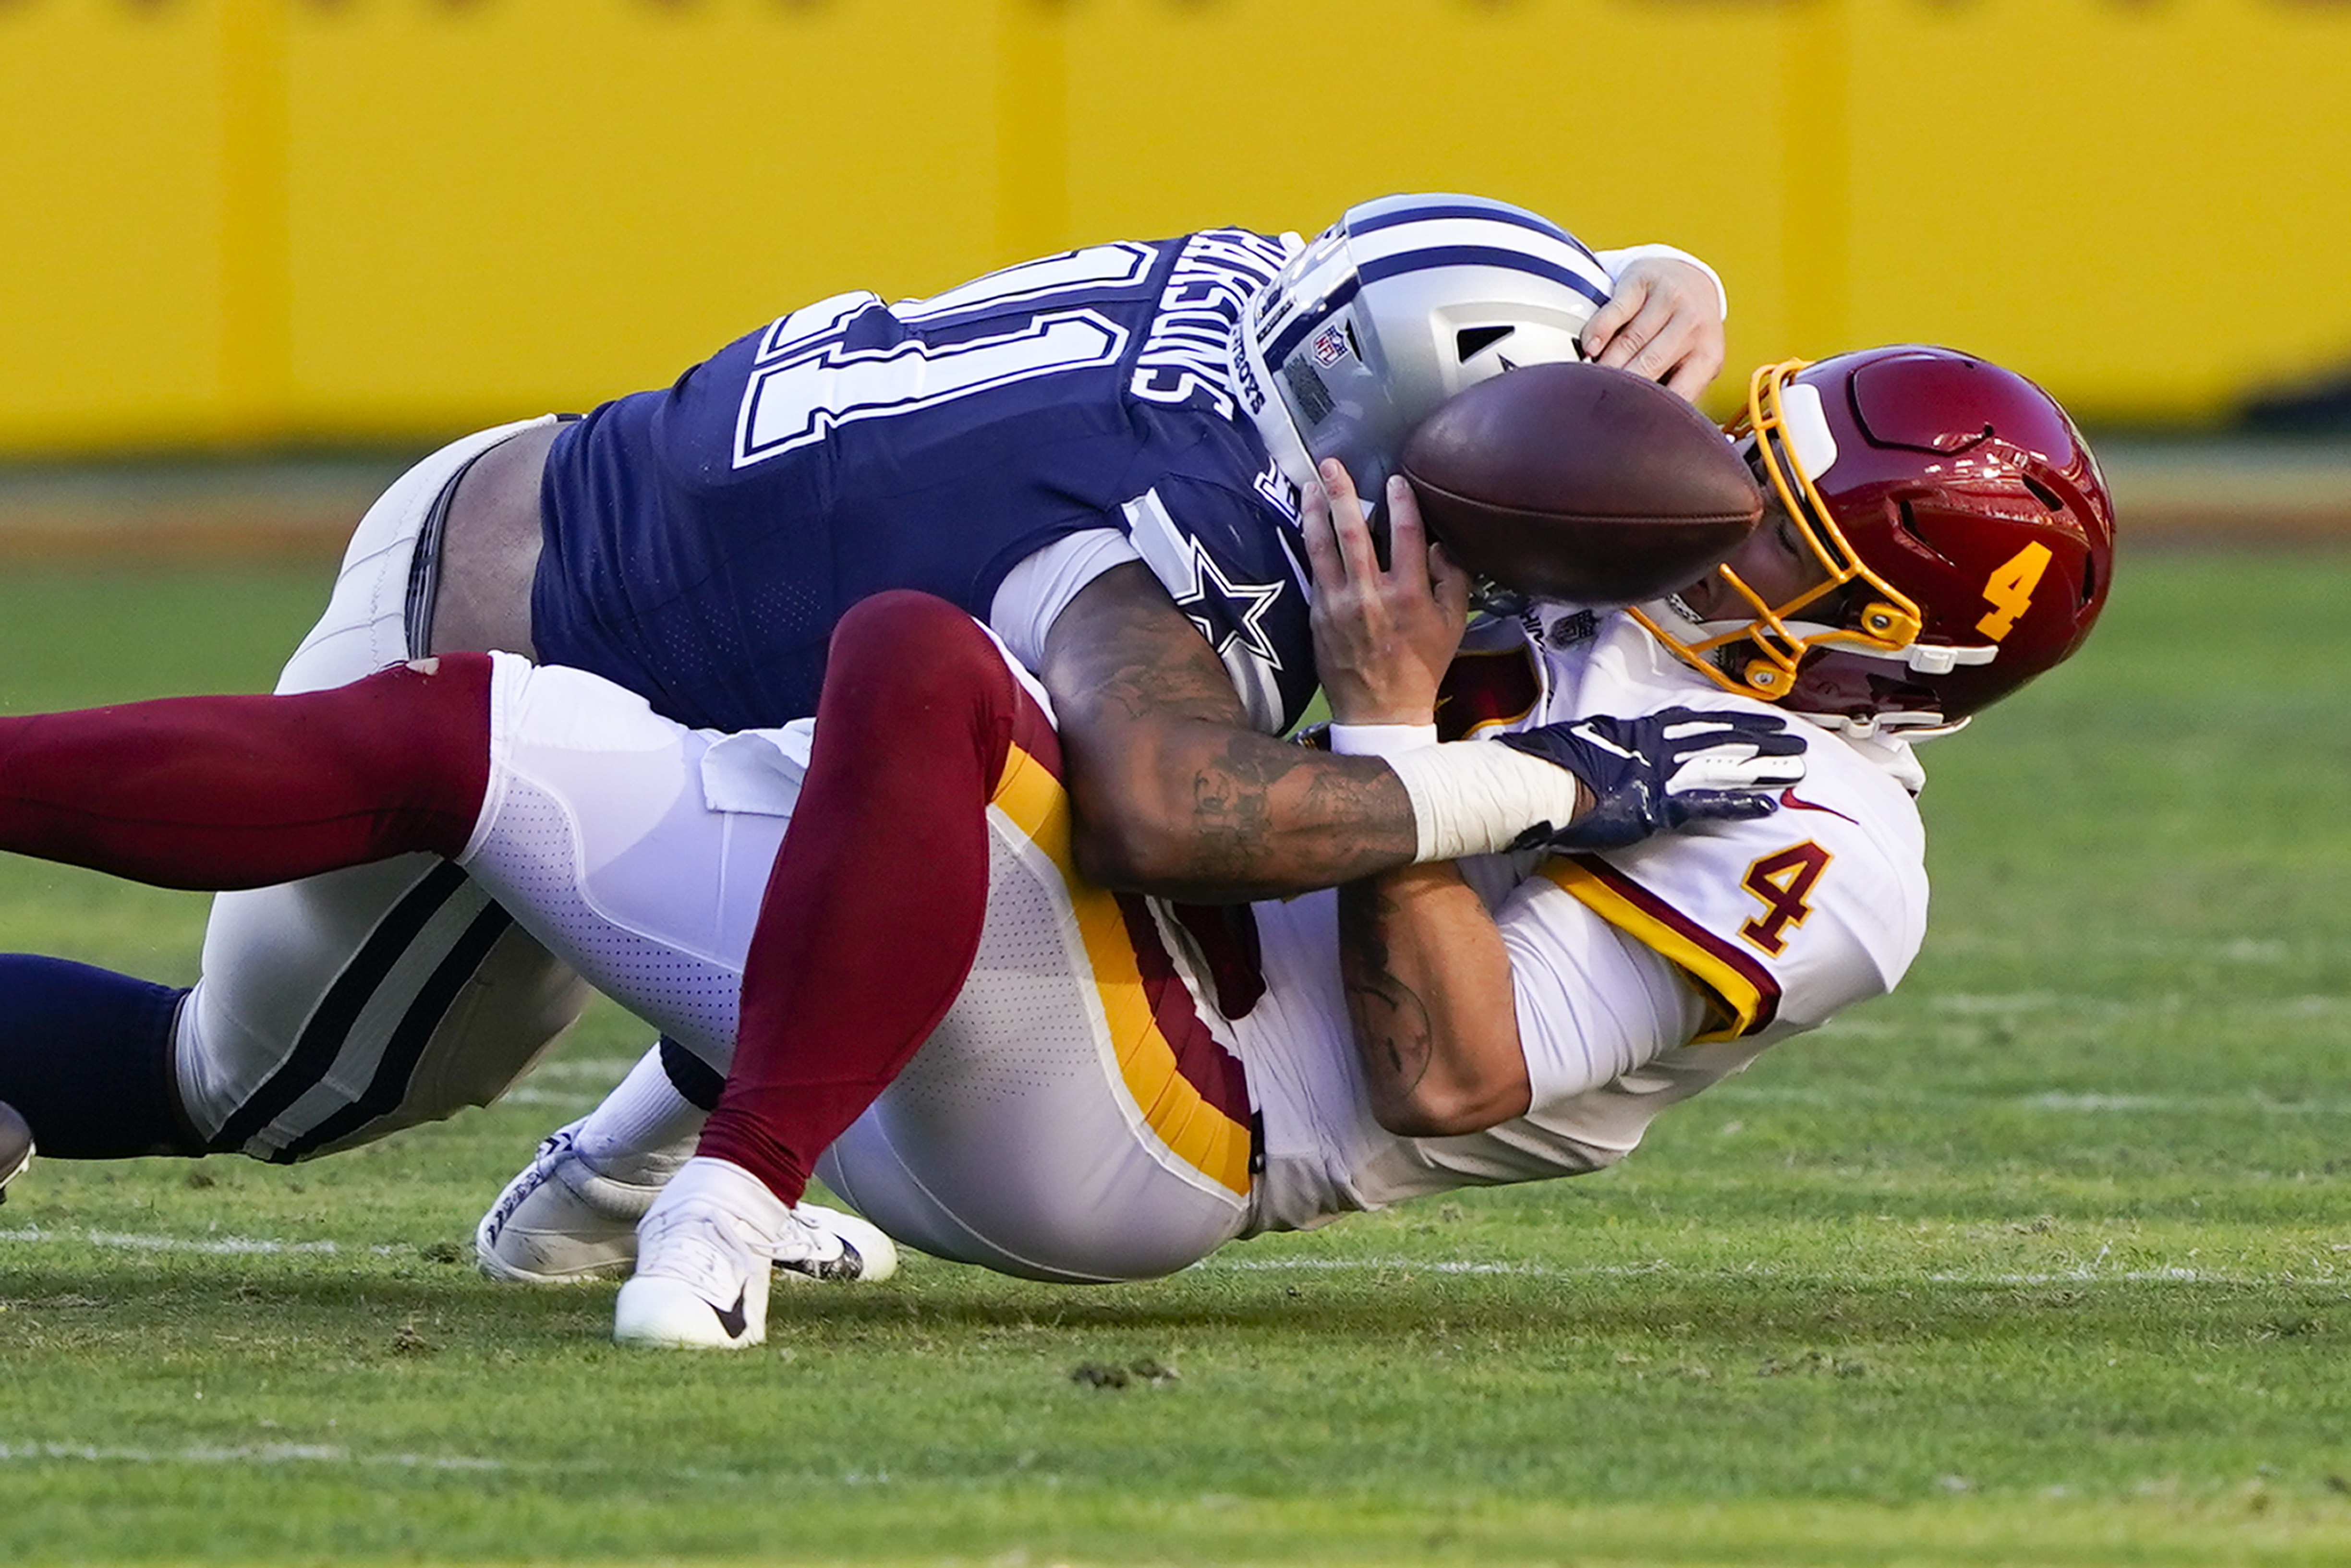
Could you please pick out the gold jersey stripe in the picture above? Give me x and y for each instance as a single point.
(1735, 1002)
(1194, 1131)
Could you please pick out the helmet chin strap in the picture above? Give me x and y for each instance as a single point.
(1895, 726)
(1932, 659)
(1925, 658)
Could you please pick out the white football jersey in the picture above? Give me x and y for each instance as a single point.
(1642, 974)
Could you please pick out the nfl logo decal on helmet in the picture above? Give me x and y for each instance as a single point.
(1966, 533)
(1394, 308)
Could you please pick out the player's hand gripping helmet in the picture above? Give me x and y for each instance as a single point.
(1966, 531)
(1394, 308)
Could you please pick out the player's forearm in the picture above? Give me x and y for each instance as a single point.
(1431, 1004)
(1175, 794)
(1207, 812)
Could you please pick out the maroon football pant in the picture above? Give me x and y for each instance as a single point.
(872, 911)
(220, 792)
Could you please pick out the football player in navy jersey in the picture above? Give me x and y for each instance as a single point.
(1096, 454)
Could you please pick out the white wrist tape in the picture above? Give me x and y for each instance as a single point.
(1474, 797)
(1379, 739)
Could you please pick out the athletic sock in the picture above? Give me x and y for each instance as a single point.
(873, 913)
(85, 1058)
(218, 792)
(645, 1129)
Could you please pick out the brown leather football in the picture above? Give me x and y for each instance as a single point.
(1581, 482)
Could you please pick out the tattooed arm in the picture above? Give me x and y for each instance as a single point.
(1174, 793)
(1429, 994)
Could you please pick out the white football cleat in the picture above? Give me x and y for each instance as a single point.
(16, 1153)
(704, 1254)
(561, 1220)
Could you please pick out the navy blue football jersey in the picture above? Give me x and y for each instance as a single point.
(702, 540)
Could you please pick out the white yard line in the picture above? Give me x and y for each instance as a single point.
(606, 1069)
(560, 1099)
(2084, 1103)
(264, 1455)
(2090, 1274)
(261, 1454)
(217, 1246)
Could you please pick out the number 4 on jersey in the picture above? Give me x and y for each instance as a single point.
(1783, 881)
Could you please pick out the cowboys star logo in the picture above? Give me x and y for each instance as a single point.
(1208, 598)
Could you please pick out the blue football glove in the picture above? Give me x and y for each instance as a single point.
(1666, 770)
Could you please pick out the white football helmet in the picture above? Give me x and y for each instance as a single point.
(1394, 308)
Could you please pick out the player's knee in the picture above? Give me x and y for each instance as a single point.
(917, 653)
(903, 629)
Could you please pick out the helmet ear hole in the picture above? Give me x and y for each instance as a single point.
(1904, 510)
(1473, 340)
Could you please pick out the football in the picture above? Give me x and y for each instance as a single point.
(1580, 482)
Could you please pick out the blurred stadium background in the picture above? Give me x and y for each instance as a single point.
(258, 251)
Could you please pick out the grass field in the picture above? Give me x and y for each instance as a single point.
(2045, 1259)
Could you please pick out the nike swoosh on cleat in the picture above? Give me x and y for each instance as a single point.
(732, 1319)
(848, 1266)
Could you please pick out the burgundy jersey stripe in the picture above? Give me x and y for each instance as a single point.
(1212, 1070)
(1226, 934)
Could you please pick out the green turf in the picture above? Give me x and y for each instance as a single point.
(2042, 1260)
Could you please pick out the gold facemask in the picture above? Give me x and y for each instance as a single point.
(1887, 621)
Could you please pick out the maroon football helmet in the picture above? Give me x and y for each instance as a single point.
(1965, 529)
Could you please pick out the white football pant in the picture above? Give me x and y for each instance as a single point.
(334, 1011)
(1073, 1117)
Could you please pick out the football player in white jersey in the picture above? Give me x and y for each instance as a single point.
(656, 860)
(1119, 1085)
(1941, 535)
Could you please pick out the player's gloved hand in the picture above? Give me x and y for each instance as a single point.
(1666, 770)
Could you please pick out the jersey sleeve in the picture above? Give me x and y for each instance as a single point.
(1616, 261)
(1593, 1003)
(1783, 922)
(1040, 586)
(1757, 930)
(1224, 556)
